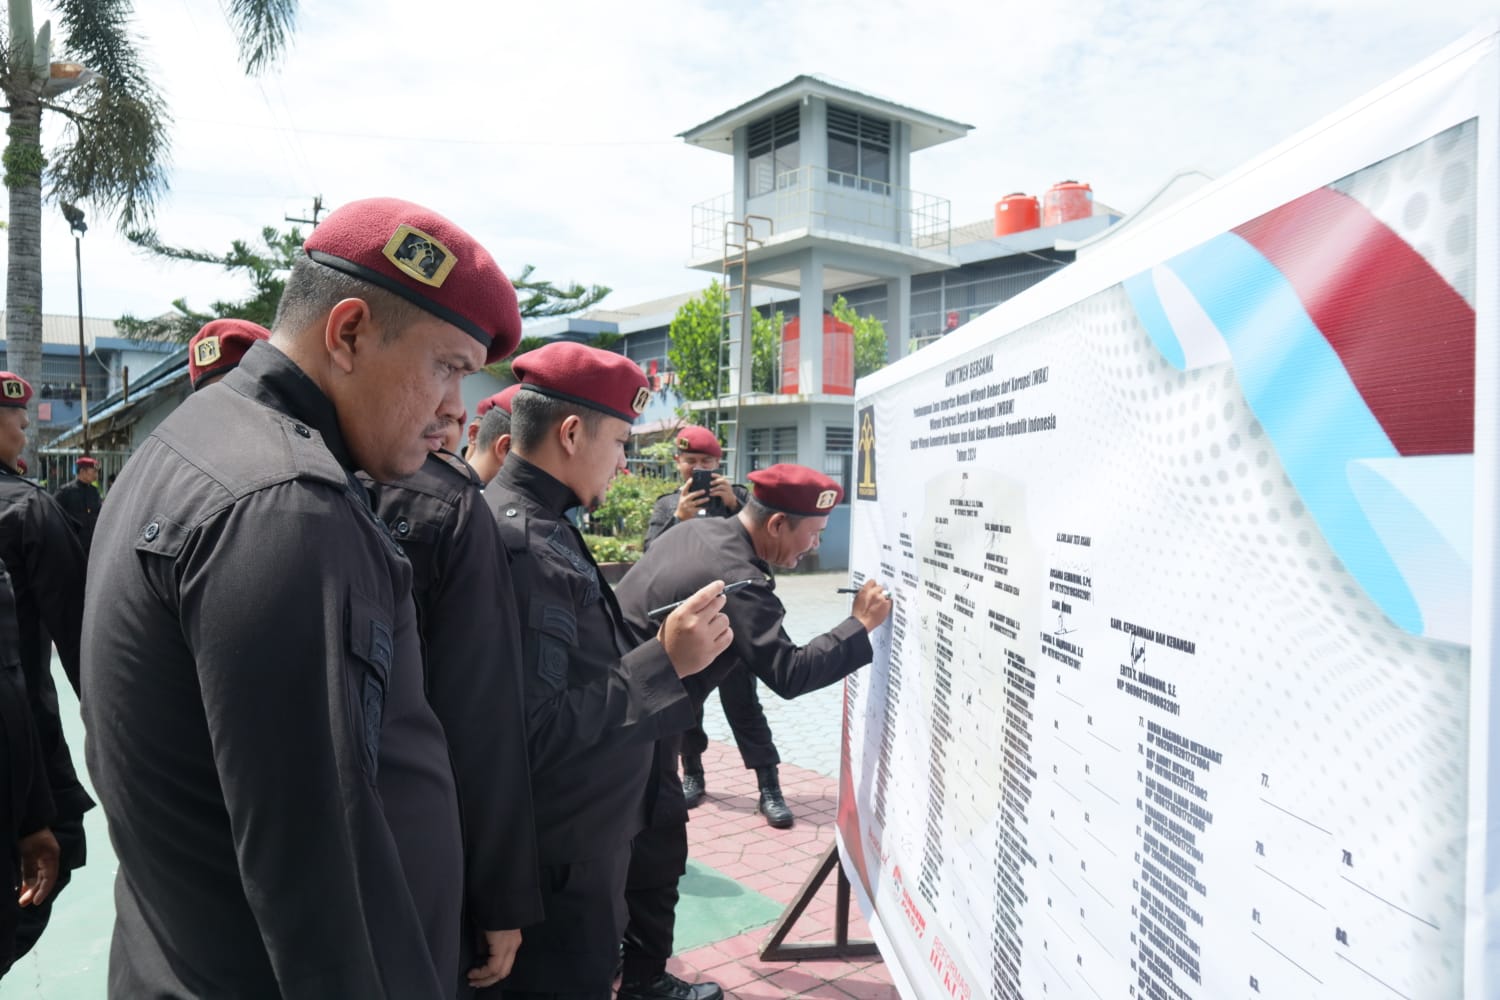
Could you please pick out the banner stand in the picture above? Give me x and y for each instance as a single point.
(777, 950)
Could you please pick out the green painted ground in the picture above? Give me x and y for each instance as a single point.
(71, 960)
(713, 907)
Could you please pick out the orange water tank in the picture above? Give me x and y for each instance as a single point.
(838, 356)
(1016, 213)
(1066, 201)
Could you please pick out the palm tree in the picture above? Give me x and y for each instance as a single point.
(115, 148)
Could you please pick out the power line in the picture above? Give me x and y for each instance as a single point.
(427, 138)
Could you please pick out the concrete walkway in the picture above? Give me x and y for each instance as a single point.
(729, 837)
(743, 872)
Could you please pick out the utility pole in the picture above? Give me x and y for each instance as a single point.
(76, 223)
(317, 211)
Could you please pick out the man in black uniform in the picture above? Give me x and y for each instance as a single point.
(489, 434)
(778, 526)
(46, 565)
(466, 614)
(26, 809)
(698, 450)
(279, 791)
(81, 500)
(597, 698)
(219, 347)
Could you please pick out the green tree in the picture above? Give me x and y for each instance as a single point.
(266, 266)
(114, 146)
(695, 339)
(543, 299)
(502, 370)
(869, 338)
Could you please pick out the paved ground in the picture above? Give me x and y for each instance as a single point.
(728, 837)
(743, 876)
(806, 730)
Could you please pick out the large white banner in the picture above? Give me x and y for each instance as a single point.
(1186, 691)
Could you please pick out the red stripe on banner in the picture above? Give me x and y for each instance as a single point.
(1404, 335)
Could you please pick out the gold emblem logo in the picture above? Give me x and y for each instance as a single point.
(14, 388)
(827, 499)
(683, 444)
(642, 397)
(420, 256)
(865, 488)
(207, 352)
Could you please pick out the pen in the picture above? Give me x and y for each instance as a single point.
(855, 590)
(667, 609)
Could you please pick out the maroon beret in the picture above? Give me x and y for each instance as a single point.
(796, 489)
(600, 380)
(220, 346)
(699, 439)
(85, 462)
(417, 254)
(15, 391)
(501, 399)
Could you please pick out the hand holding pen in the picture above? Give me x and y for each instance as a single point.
(872, 604)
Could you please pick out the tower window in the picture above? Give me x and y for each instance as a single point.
(859, 150)
(774, 150)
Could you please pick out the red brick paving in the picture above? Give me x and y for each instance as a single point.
(728, 835)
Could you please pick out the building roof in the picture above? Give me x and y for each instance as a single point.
(1181, 184)
(64, 329)
(116, 410)
(717, 134)
(659, 312)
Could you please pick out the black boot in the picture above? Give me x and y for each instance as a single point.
(693, 785)
(668, 987)
(772, 805)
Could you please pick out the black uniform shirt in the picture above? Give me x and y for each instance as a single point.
(664, 512)
(278, 790)
(82, 502)
(46, 566)
(705, 549)
(596, 702)
(466, 611)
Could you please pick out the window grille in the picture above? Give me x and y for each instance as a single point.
(838, 456)
(768, 446)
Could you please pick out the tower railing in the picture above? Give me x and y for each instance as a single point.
(832, 201)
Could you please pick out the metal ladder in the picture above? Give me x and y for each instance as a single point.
(736, 356)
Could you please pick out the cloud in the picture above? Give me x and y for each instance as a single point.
(549, 129)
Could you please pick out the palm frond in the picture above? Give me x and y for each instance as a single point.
(115, 148)
(262, 27)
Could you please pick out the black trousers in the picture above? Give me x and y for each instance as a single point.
(752, 733)
(574, 951)
(657, 861)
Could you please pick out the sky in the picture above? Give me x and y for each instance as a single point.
(549, 130)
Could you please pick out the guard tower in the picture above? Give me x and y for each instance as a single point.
(821, 202)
